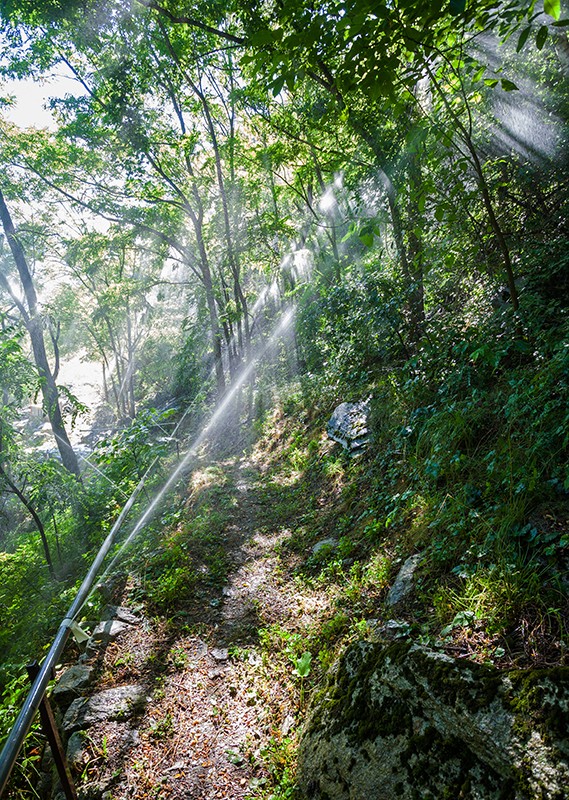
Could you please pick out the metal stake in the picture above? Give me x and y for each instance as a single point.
(52, 734)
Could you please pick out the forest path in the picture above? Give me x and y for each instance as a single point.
(222, 702)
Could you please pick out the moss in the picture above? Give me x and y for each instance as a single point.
(366, 702)
(535, 700)
(451, 681)
(346, 704)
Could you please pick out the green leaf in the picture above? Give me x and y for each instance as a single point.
(541, 37)
(366, 238)
(523, 38)
(457, 7)
(350, 232)
(508, 86)
(302, 665)
(491, 82)
(262, 37)
(277, 85)
(552, 7)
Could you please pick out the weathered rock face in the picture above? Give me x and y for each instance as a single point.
(348, 425)
(116, 703)
(404, 581)
(400, 721)
(72, 683)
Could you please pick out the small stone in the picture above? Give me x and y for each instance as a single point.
(121, 614)
(220, 653)
(287, 724)
(404, 581)
(199, 649)
(219, 672)
(108, 631)
(324, 544)
(178, 765)
(390, 631)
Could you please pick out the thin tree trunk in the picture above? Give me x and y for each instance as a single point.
(415, 251)
(485, 192)
(38, 523)
(34, 325)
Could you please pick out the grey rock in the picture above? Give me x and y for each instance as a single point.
(116, 620)
(76, 750)
(400, 721)
(121, 614)
(72, 683)
(404, 581)
(389, 631)
(220, 653)
(107, 631)
(199, 650)
(348, 425)
(324, 544)
(117, 703)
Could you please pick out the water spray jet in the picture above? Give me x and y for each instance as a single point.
(230, 395)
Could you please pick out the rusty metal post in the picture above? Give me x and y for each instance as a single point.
(52, 734)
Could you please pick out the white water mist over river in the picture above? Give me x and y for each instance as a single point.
(84, 379)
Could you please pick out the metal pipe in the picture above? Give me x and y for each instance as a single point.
(26, 716)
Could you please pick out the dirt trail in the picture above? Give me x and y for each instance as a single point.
(222, 705)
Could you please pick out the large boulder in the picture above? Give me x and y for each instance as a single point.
(399, 721)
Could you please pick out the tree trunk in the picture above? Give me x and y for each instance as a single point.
(485, 192)
(38, 523)
(415, 249)
(33, 323)
(416, 309)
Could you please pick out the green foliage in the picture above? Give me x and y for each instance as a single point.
(193, 380)
(302, 665)
(129, 453)
(174, 571)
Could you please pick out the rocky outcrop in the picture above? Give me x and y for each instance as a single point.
(398, 721)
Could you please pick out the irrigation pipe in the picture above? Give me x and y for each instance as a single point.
(26, 716)
(23, 723)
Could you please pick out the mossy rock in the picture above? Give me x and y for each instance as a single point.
(403, 721)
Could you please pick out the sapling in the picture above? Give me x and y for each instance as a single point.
(302, 669)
